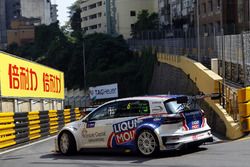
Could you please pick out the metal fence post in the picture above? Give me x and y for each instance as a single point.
(243, 60)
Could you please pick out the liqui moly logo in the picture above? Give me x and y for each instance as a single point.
(125, 131)
(195, 124)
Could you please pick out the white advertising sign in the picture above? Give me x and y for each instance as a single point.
(104, 92)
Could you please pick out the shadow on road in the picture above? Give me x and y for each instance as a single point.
(111, 155)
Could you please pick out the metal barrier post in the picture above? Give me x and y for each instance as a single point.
(15, 103)
(42, 105)
(30, 105)
(1, 104)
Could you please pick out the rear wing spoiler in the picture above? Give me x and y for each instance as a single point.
(185, 99)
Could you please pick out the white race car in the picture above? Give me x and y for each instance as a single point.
(144, 124)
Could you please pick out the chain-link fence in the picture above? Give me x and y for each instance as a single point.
(232, 50)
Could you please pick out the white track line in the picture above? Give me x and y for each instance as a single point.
(28, 145)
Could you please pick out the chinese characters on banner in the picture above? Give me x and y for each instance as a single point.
(21, 78)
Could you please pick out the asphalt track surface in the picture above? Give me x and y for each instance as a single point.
(225, 154)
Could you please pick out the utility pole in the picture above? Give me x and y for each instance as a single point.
(222, 54)
(198, 31)
(84, 69)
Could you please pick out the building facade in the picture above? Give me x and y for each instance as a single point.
(113, 16)
(176, 14)
(14, 11)
(37, 9)
(218, 15)
(3, 30)
(93, 18)
(22, 31)
(53, 13)
(243, 15)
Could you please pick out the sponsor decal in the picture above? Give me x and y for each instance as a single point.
(104, 92)
(125, 131)
(195, 137)
(85, 134)
(23, 78)
(195, 124)
(193, 120)
(90, 124)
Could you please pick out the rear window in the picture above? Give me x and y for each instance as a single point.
(172, 107)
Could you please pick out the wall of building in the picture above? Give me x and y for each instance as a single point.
(124, 8)
(113, 16)
(21, 31)
(54, 13)
(14, 10)
(3, 38)
(37, 9)
(94, 16)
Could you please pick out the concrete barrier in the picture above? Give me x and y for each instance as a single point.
(244, 108)
(206, 81)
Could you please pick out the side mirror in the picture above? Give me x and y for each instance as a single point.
(182, 99)
(215, 96)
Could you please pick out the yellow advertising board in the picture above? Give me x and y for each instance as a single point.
(26, 79)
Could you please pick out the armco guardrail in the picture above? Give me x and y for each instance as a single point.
(16, 128)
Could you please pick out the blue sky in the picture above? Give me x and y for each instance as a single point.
(62, 9)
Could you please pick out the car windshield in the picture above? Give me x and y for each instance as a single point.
(172, 107)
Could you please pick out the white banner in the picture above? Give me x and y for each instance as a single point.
(104, 92)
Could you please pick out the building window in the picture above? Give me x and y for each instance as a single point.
(132, 26)
(99, 3)
(218, 3)
(85, 18)
(210, 2)
(92, 6)
(132, 13)
(86, 28)
(93, 27)
(204, 28)
(204, 8)
(94, 16)
(99, 14)
(218, 26)
(84, 8)
(99, 25)
(211, 28)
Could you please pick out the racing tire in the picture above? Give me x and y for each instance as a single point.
(67, 144)
(147, 143)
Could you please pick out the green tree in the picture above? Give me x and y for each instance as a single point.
(75, 19)
(108, 58)
(145, 22)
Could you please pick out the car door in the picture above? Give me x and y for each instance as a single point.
(97, 127)
(112, 125)
(125, 122)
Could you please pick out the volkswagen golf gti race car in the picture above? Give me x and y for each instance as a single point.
(144, 124)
